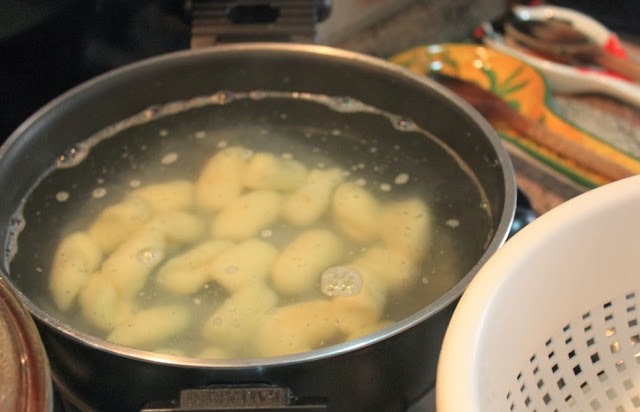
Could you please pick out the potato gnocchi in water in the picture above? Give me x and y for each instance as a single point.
(261, 255)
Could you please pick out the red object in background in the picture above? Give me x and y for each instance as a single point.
(614, 46)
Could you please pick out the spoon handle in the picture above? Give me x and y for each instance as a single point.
(613, 63)
(497, 111)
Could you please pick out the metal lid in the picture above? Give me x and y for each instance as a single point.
(25, 381)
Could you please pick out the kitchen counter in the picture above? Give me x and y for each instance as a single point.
(426, 22)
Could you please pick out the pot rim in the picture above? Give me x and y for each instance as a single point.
(433, 308)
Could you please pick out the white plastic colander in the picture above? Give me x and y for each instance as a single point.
(551, 321)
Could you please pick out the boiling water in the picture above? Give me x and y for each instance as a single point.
(390, 156)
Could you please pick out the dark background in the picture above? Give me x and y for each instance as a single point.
(48, 46)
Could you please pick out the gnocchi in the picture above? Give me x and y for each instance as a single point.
(298, 267)
(258, 256)
(178, 227)
(187, 273)
(246, 215)
(356, 212)
(221, 178)
(129, 266)
(310, 201)
(366, 330)
(296, 328)
(265, 171)
(243, 265)
(118, 222)
(150, 326)
(235, 321)
(166, 197)
(214, 352)
(405, 227)
(397, 271)
(102, 305)
(357, 311)
(75, 260)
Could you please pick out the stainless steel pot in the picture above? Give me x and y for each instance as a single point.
(384, 371)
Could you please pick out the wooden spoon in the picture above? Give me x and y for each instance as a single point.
(563, 42)
(497, 110)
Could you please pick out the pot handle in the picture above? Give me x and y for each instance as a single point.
(259, 397)
(524, 214)
(222, 21)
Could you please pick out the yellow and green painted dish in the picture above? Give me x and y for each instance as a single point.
(524, 88)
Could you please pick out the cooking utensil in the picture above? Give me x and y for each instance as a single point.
(390, 368)
(563, 43)
(524, 89)
(497, 110)
(562, 77)
(551, 320)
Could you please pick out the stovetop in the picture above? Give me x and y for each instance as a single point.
(426, 404)
(49, 46)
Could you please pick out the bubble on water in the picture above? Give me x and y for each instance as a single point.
(219, 98)
(401, 179)
(404, 124)
(230, 270)
(361, 182)
(38, 269)
(345, 101)
(425, 280)
(217, 321)
(149, 256)
(100, 181)
(453, 223)
(197, 301)
(341, 281)
(200, 134)
(257, 95)
(152, 112)
(385, 187)
(266, 233)
(144, 147)
(484, 205)
(336, 132)
(396, 147)
(321, 165)
(16, 223)
(133, 183)
(99, 192)
(373, 149)
(283, 116)
(287, 156)
(72, 156)
(163, 132)
(222, 144)
(62, 196)
(169, 158)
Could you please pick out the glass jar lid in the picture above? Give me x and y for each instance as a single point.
(25, 381)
